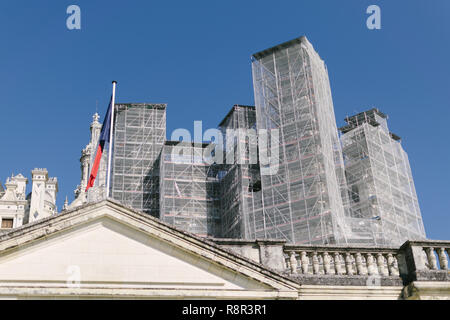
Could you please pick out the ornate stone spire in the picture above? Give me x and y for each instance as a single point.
(95, 118)
(66, 204)
(96, 127)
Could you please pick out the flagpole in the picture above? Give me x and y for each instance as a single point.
(113, 103)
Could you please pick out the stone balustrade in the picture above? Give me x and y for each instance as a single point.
(338, 265)
(427, 260)
(339, 260)
(413, 261)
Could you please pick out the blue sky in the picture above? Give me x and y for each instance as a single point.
(195, 56)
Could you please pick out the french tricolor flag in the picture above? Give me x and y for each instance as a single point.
(105, 135)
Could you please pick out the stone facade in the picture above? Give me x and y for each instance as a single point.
(105, 250)
(18, 208)
(13, 203)
(97, 192)
(43, 196)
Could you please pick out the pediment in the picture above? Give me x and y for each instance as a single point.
(105, 246)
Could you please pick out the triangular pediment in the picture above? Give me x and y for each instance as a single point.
(104, 247)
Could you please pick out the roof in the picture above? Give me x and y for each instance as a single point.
(362, 116)
(232, 110)
(281, 46)
(367, 116)
(122, 106)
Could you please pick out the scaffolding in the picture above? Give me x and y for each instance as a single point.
(239, 191)
(313, 198)
(383, 198)
(304, 201)
(188, 189)
(139, 135)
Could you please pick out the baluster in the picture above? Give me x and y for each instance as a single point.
(349, 263)
(286, 263)
(293, 262)
(316, 267)
(390, 264)
(443, 259)
(424, 258)
(431, 258)
(326, 263)
(371, 269)
(337, 263)
(305, 262)
(359, 264)
(381, 268)
(396, 270)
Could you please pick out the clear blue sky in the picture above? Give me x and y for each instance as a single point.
(195, 56)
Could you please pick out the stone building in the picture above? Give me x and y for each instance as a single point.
(182, 228)
(13, 202)
(86, 161)
(105, 250)
(18, 208)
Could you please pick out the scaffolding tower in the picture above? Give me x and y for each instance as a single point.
(239, 188)
(189, 189)
(302, 202)
(383, 198)
(139, 135)
(314, 197)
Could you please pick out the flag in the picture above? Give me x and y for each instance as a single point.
(104, 136)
